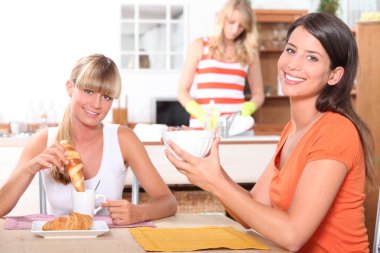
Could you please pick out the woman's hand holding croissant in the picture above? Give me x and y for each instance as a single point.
(52, 157)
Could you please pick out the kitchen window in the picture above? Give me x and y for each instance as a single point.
(153, 35)
(351, 11)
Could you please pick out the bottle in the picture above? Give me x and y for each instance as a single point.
(43, 120)
(212, 118)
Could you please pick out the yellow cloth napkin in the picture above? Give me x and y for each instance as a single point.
(190, 239)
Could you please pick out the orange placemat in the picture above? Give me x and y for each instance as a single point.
(190, 239)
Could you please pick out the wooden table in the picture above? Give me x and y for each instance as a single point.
(117, 240)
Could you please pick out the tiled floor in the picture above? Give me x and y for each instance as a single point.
(190, 199)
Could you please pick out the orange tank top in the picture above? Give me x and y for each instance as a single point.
(222, 82)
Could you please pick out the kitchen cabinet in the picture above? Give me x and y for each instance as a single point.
(272, 26)
(244, 159)
(368, 103)
(10, 151)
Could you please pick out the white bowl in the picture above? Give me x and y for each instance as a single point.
(194, 142)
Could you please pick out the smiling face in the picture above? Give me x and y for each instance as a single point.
(233, 25)
(88, 107)
(304, 66)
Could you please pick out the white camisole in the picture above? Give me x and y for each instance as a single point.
(112, 173)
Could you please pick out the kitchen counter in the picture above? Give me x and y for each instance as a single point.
(270, 139)
(244, 158)
(10, 151)
(13, 141)
(150, 134)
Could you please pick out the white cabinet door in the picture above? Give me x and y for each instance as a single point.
(29, 201)
(244, 162)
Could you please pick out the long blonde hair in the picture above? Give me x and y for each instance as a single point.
(97, 73)
(246, 44)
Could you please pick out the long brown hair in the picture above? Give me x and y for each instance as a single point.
(246, 44)
(97, 73)
(340, 45)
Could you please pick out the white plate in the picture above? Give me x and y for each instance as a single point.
(98, 228)
(240, 124)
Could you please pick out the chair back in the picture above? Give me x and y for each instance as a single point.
(135, 190)
(42, 193)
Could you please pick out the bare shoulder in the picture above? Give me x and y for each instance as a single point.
(256, 59)
(195, 48)
(127, 137)
(255, 68)
(197, 43)
(130, 144)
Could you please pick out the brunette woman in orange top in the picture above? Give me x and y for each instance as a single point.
(310, 196)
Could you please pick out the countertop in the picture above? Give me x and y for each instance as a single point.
(13, 141)
(120, 239)
(150, 134)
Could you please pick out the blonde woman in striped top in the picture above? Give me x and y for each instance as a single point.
(219, 65)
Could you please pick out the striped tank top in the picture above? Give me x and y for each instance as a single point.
(222, 82)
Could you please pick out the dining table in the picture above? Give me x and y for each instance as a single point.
(120, 239)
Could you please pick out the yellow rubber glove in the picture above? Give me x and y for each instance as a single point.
(248, 108)
(196, 111)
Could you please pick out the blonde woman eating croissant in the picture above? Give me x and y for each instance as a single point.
(105, 152)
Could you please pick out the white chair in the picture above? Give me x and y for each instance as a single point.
(135, 189)
(42, 194)
(376, 240)
(135, 192)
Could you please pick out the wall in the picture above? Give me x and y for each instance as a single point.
(42, 39)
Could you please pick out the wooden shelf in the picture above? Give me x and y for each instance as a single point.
(275, 111)
(276, 97)
(276, 16)
(272, 26)
(271, 51)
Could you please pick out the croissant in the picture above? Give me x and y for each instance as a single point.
(74, 168)
(72, 221)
